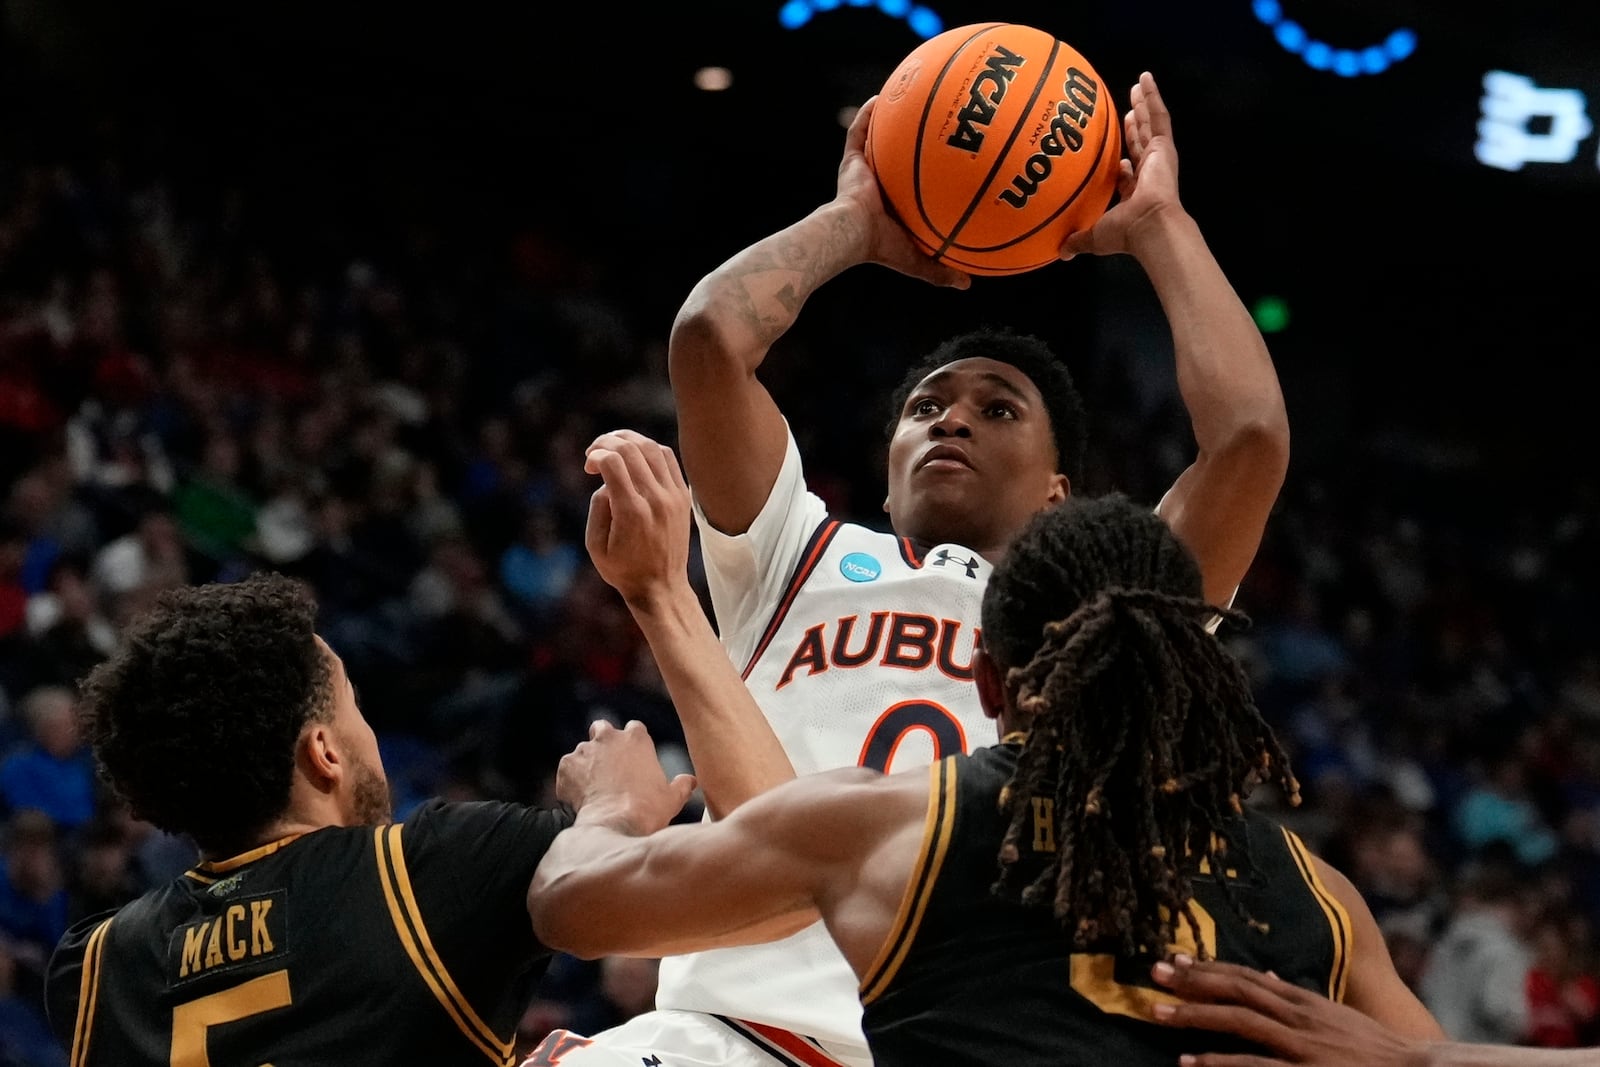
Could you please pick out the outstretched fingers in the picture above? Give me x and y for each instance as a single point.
(1156, 113)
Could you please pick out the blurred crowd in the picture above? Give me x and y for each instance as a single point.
(405, 433)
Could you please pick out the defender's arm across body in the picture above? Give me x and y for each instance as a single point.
(840, 844)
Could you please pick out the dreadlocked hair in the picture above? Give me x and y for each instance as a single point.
(1141, 725)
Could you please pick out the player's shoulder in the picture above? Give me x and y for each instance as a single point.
(839, 529)
(466, 827)
(871, 548)
(70, 961)
(983, 762)
(1262, 830)
(76, 940)
(436, 812)
(152, 910)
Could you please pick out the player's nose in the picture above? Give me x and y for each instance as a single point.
(953, 422)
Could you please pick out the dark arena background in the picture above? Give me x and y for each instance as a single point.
(343, 290)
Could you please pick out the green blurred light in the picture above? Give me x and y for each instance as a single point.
(1271, 314)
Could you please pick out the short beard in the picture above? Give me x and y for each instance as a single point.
(370, 796)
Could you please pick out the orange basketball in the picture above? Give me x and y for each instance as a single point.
(992, 143)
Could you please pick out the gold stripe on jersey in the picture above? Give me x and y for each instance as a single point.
(405, 915)
(88, 994)
(207, 872)
(1338, 917)
(410, 900)
(936, 832)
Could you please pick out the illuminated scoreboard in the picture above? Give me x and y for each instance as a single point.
(1522, 122)
(1513, 88)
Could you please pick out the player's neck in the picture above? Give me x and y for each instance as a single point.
(308, 810)
(279, 830)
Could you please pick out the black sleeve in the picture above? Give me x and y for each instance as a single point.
(469, 866)
(63, 976)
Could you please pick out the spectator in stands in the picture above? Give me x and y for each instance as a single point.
(1477, 975)
(53, 771)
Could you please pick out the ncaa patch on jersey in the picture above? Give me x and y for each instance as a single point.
(860, 567)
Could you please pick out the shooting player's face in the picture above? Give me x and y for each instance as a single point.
(972, 457)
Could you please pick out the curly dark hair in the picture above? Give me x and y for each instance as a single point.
(1062, 401)
(1143, 729)
(194, 718)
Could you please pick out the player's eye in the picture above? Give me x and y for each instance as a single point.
(1000, 410)
(926, 406)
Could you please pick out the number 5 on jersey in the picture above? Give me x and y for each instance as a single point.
(190, 1021)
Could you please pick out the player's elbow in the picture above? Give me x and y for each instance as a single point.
(1256, 449)
(560, 907)
(701, 352)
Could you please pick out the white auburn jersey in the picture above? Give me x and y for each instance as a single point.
(860, 653)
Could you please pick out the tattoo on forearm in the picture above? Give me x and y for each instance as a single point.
(765, 287)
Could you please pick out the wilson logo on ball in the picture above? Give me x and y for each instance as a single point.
(997, 73)
(992, 144)
(1073, 112)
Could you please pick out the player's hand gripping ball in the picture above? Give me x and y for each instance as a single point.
(992, 143)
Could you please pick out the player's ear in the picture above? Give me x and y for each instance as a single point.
(1060, 489)
(991, 687)
(318, 755)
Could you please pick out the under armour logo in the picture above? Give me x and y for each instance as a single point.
(943, 557)
(652, 1061)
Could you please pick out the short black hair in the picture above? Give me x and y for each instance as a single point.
(1063, 404)
(194, 718)
(1142, 730)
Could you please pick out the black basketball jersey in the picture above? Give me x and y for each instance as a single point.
(966, 977)
(403, 943)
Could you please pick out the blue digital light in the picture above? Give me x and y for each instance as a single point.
(1268, 11)
(1401, 43)
(1319, 55)
(794, 14)
(924, 21)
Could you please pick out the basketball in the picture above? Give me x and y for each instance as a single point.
(992, 143)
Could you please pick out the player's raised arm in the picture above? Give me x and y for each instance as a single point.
(1219, 505)
(638, 538)
(758, 875)
(730, 431)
